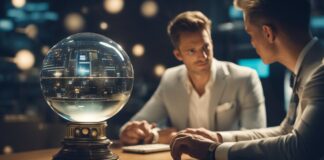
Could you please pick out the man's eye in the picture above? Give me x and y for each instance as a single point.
(206, 48)
(191, 52)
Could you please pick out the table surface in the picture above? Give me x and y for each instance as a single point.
(48, 153)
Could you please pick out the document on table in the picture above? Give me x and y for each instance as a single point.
(146, 148)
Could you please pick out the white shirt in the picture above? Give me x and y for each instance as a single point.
(199, 105)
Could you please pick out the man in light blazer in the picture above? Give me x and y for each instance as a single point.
(201, 93)
(279, 31)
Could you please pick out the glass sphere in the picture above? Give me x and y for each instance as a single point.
(86, 77)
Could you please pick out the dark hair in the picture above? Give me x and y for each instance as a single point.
(189, 21)
(291, 15)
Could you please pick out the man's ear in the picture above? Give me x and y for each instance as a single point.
(269, 33)
(177, 54)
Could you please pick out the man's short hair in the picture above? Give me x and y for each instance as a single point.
(189, 21)
(291, 15)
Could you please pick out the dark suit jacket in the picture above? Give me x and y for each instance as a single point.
(304, 139)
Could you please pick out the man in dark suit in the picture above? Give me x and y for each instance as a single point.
(280, 32)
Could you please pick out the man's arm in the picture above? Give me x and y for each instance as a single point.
(154, 110)
(251, 101)
(137, 132)
(304, 142)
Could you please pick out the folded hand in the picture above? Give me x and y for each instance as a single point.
(194, 145)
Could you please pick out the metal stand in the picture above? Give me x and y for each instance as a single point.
(86, 141)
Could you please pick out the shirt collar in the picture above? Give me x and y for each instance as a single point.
(210, 82)
(302, 54)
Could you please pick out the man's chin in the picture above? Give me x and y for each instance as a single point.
(204, 68)
(268, 61)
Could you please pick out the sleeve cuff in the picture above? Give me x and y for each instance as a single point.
(156, 136)
(227, 137)
(221, 152)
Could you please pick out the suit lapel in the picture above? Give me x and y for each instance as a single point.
(182, 100)
(312, 59)
(217, 91)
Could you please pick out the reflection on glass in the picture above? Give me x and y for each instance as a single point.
(86, 78)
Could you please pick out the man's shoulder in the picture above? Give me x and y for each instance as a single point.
(174, 71)
(173, 74)
(235, 70)
(315, 86)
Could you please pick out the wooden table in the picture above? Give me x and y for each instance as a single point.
(48, 153)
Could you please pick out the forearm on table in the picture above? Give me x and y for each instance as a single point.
(235, 136)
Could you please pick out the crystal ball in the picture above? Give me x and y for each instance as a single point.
(86, 77)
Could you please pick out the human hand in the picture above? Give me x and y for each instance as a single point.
(135, 132)
(194, 145)
(165, 135)
(205, 133)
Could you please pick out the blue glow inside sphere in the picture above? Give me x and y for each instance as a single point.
(86, 77)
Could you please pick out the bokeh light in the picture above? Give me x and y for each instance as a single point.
(24, 59)
(18, 3)
(74, 22)
(159, 69)
(85, 10)
(149, 8)
(138, 50)
(45, 50)
(114, 6)
(104, 25)
(31, 31)
(7, 149)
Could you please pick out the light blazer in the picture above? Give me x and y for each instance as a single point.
(236, 101)
(304, 140)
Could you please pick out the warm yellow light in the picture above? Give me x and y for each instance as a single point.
(74, 22)
(113, 6)
(31, 31)
(159, 70)
(85, 118)
(149, 8)
(18, 3)
(7, 150)
(138, 50)
(104, 25)
(57, 74)
(45, 50)
(24, 59)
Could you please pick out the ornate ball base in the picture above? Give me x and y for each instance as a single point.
(86, 141)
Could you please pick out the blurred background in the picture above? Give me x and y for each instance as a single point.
(29, 28)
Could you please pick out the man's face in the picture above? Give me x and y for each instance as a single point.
(195, 50)
(259, 41)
